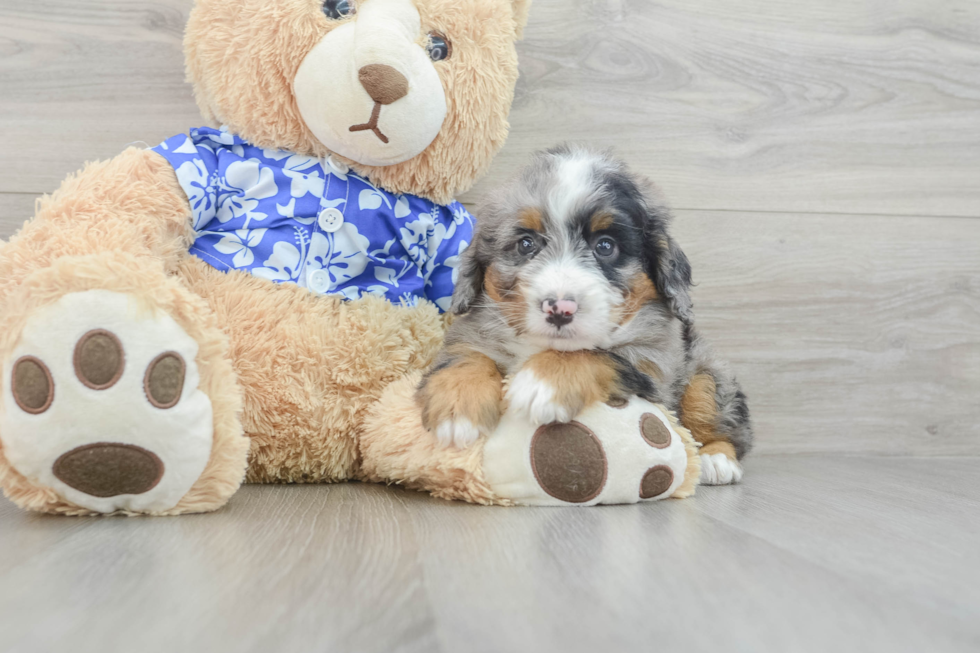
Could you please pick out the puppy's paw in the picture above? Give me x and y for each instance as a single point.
(461, 400)
(535, 399)
(459, 432)
(719, 469)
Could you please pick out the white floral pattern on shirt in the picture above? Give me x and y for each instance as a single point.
(256, 210)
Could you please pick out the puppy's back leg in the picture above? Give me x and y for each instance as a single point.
(713, 408)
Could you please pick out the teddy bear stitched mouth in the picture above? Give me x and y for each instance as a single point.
(385, 85)
(372, 124)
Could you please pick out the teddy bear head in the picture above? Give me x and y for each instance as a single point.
(411, 93)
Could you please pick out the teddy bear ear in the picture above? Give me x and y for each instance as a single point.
(521, 9)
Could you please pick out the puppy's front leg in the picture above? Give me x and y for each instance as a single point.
(554, 386)
(461, 397)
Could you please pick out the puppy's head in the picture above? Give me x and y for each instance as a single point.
(572, 250)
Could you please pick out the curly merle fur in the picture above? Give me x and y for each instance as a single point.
(565, 201)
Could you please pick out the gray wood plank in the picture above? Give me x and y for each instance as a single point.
(15, 209)
(849, 106)
(810, 553)
(278, 569)
(899, 523)
(849, 333)
(840, 106)
(82, 80)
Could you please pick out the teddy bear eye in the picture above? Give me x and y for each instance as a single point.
(439, 47)
(338, 8)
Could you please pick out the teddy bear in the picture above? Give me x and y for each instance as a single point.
(256, 301)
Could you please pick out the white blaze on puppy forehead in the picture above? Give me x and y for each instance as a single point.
(574, 185)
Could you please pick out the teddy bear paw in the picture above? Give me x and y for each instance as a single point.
(102, 405)
(609, 454)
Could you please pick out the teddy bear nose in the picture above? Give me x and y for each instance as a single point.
(383, 83)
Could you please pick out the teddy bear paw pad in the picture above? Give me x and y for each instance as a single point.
(102, 405)
(620, 452)
(568, 462)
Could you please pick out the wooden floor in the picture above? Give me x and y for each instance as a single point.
(814, 552)
(824, 160)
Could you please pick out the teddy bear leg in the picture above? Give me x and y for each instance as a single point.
(636, 451)
(397, 448)
(118, 394)
(311, 367)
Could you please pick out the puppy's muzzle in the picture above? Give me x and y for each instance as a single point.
(559, 311)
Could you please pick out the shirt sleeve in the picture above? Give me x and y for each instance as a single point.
(196, 166)
(445, 264)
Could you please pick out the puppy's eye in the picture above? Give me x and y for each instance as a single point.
(439, 47)
(336, 9)
(606, 248)
(526, 246)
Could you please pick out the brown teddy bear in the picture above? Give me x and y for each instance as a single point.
(234, 302)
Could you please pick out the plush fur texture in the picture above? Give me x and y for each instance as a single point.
(243, 63)
(310, 367)
(300, 374)
(156, 291)
(575, 288)
(132, 204)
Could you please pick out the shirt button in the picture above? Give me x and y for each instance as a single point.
(330, 220)
(319, 281)
(338, 166)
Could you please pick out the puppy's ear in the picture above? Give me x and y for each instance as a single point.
(666, 264)
(469, 285)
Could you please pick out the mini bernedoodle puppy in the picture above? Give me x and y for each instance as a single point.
(574, 292)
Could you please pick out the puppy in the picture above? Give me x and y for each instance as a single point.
(574, 292)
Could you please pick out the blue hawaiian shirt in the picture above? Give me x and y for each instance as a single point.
(309, 221)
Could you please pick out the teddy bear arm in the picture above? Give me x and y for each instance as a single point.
(130, 204)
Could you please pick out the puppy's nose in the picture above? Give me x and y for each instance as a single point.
(560, 312)
(383, 83)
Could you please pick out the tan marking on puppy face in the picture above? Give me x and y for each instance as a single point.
(471, 388)
(719, 446)
(530, 218)
(699, 413)
(509, 298)
(639, 293)
(600, 221)
(579, 378)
